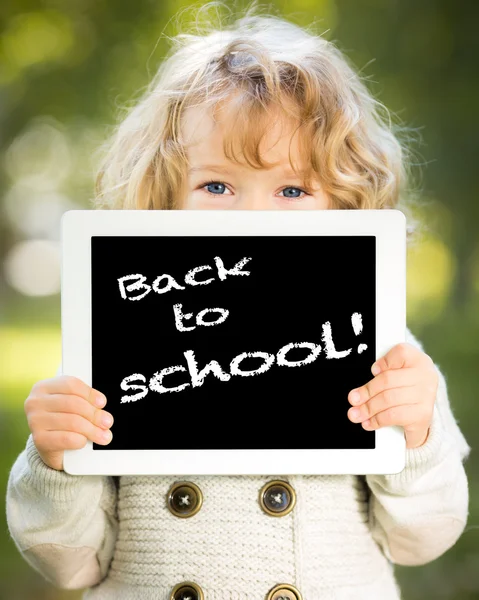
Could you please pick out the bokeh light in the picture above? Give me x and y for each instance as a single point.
(32, 267)
(34, 213)
(40, 155)
(35, 37)
(430, 272)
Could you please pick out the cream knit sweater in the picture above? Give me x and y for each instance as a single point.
(116, 537)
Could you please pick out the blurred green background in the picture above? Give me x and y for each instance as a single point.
(64, 69)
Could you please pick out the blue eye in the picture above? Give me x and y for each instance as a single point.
(219, 189)
(215, 184)
(294, 188)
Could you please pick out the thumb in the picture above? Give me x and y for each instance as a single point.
(401, 355)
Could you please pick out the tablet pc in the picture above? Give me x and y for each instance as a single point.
(226, 342)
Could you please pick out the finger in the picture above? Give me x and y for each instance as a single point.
(387, 399)
(58, 403)
(57, 441)
(401, 355)
(68, 384)
(69, 422)
(384, 381)
(402, 415)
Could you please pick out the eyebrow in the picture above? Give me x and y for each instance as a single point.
(208, 168)
(288, 172)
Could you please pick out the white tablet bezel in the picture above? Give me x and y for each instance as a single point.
(77, 228)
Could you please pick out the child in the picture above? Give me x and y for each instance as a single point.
(195, 141)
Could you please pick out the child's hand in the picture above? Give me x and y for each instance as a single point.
(63, 413)
(402, 392)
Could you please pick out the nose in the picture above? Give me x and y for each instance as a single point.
(254, 200)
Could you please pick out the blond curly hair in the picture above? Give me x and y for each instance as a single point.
(351, 145)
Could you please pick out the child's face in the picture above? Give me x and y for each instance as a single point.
(242, 186)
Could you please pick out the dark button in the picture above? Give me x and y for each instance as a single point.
(184, 499)
(277, 498)
(284, 591)
(187, 590)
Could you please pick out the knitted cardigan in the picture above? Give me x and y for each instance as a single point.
(116, 537)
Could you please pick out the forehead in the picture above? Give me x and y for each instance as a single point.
(203, 134)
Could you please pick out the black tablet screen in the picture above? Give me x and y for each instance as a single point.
(233, 342)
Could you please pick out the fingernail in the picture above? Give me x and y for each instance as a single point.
(354, 413)
(375, 369)
(106, 436)
(354, 397)
(100, 400)
(106, 420)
